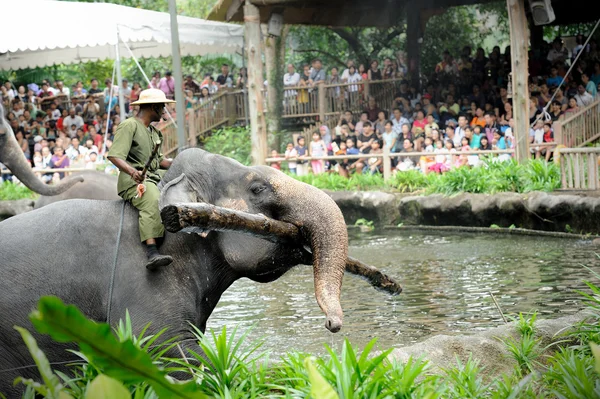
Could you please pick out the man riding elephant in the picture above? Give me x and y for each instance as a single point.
(137, 144)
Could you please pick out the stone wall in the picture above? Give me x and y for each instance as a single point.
(537, 210)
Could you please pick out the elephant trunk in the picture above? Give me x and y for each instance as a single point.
(322, 223)
(11, 155)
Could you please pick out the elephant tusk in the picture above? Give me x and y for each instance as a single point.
(202, 217)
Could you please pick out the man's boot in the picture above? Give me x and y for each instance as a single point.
(156, 260)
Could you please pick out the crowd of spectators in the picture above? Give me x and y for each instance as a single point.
(59, 127)
(463, 105)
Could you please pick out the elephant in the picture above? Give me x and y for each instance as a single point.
(12, 157)
(204, 265)
(95, 185)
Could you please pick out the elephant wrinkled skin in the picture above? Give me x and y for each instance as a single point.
(203, 268)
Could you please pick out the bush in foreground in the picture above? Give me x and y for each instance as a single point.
(121, 365)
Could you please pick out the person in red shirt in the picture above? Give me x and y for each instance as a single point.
(548, 138)
(93, 134)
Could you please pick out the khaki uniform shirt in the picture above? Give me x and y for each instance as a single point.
(134, 143)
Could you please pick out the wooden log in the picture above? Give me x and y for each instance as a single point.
(375, 277)
(201, 217)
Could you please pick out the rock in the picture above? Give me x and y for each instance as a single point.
(379, 207)
(486, 347)
(13, 208)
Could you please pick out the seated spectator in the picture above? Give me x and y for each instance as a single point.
(440, 160)
(425, 162)
(372, 110)
(374, 164)
(364, 118)
(572, 108)
(366, 138)
(554, 80)
(89, 148)
(388, 136)
(59, 160)
(406, 161)
(92, 160)
(555, 110)
(558, 53)
(536, 136)
(431, 125)
(583, 97)
(548, 138)
(590, 86)
(380, 123)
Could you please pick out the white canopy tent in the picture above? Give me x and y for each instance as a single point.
(70, 36)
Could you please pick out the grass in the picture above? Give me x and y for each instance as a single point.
(11, 192)
(492, 177)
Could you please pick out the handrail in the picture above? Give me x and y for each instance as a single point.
(579, 112)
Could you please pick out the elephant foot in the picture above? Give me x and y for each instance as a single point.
(157, 261)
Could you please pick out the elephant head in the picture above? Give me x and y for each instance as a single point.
(11, 155)
(199, 176)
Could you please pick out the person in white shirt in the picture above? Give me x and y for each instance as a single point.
(582, 97)
(353, 77)
(346, 73)
(459, 132)
(291, 79)
(397, 121)
(61, 90)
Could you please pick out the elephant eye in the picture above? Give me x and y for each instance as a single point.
(258, 188)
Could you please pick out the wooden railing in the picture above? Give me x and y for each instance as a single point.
(580, 128)
(320, 104)
(579, 168)
(387, 157)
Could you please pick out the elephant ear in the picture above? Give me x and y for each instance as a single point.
(176, 191)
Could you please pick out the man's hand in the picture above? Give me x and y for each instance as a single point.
(137, 176)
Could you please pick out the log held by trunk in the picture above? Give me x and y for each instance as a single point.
(210, 217)
(203, 217)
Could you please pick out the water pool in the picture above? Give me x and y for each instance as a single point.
(446, 277)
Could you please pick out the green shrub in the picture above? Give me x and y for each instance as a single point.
(232, 142)
(10, 191)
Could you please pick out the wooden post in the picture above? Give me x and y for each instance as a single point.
(519, 38)
(387, 164)
(322, 98)
(258, 131)
(270, 63)
(413, 49)
(192, 128)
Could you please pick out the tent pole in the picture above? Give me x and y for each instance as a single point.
(178, 76)
(119, 78)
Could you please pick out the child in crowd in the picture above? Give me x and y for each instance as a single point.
(275, 165)
(536, 136)
(548, 138)
(425, 162)
(290, 152)
(301, 166)
(342, 166)
(317, 149)
(450, 161)
(91, 163)
(374, 163)
(463, 159)
(440, 160)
